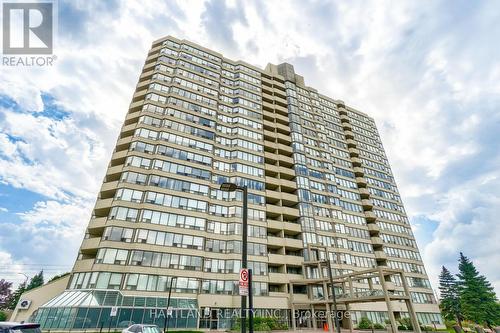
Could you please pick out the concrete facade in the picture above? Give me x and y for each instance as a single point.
(315, 170)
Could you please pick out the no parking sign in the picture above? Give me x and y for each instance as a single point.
(243, 282)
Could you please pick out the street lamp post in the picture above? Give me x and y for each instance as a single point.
(25, 281)
(165, 324)
(231, 187)
(334, 299)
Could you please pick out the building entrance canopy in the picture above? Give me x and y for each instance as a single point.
(87, 309)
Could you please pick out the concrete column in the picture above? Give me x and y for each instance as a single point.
(348, 310)
(388, 302)
(413, 316)
(409, 305)
(314, 323)
(292, 307)
(329, 317)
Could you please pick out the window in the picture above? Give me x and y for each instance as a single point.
(123, 213)
(126, 194)
(118, 234)
(111, 256)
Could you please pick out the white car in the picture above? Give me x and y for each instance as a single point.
(142, 328)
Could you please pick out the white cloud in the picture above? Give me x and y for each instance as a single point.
(48, 238)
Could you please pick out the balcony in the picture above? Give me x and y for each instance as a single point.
(286, 160)
(103, 203)
(286, 149)
(287, 171)
(268, 156)
(390, 286)
(283, 138)
(288, 199)
(370, 217)
(354, 152)
(96, 224)
(114, 170)
(364, 193)
(288, 227)
(359, 172)
(278, 278)
(90, 245)
(284, 259)
(367, 204)
(348, 134)
(288, 184)
(290, 243)
(269, 124)
(135, 105)
(282, 110)
(84, 265)
(123, 143)
(377, 241)
(273, 225)
(380, 255)
(271, 169)
(269, 106)
(109, 186)
(347, 127)
(351, 143)
(275, 241)
(283, 127)
(270, 144)
(269, 134)
(117, 155)
(361, 182)
(132, 117)
(356, 161)
(342, 110)
(373, 229)
(344, 118)
(139, 95)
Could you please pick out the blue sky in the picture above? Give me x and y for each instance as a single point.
(427, 71)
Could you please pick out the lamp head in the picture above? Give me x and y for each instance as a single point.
(228, 187)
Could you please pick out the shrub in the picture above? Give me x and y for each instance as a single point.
(3, 316)
(405, 324)
(378, 326)
(263, 324)
(365, 323)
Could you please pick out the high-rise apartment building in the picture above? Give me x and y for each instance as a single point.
(320, 189)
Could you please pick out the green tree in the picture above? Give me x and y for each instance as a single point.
(5, 293)
(478, 300)
(36, 281)
(450, 299)
(16, 295)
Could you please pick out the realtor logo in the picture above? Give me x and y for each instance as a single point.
(28, 28)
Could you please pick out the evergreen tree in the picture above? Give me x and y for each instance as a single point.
(478, 300)
(450, 300)
(36, 281)
(16, 295)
